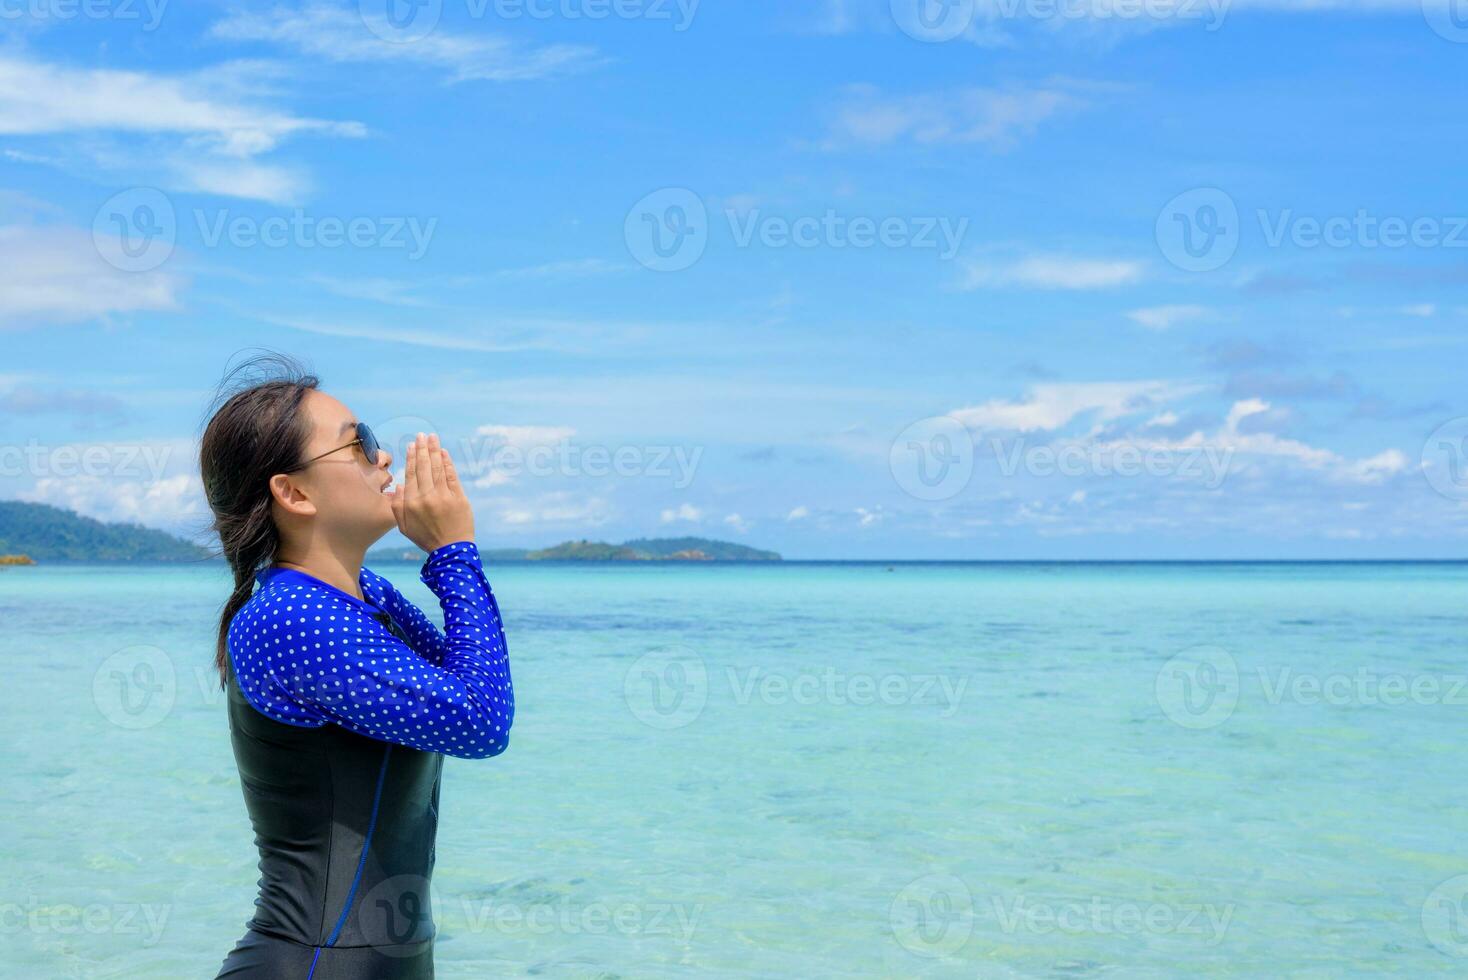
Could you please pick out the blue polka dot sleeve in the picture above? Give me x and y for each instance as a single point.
(306, 653)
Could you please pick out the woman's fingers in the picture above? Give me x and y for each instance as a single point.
(420, 464)
(435, 460)
(450, 475)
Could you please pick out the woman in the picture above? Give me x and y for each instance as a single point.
(343, 697)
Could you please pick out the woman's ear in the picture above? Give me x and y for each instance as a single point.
(291, 496)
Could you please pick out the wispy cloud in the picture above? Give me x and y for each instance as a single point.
(1166, 317)
(994, 117)
(1051, 272)
(682, 513)
(202, 136)
(57, 275)
(1049, 407)
(341, 35)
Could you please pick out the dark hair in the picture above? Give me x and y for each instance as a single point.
(258, 431)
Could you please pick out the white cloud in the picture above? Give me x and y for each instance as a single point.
(1229, 441)
(866, 518)
(684, 512)
(570, 269)
(205, 134)
(526, 436)
(1166, 317)
(1420, 310)
(798, 514)
(737, 523)
(522, 439)
(558, 508)
(56, 275)
(1051, 272)
(164, 503)
(340, 35)
(993, 117)
(1050, 406)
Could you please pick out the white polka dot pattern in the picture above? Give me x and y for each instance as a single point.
(306, 653)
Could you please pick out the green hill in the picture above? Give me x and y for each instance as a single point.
(715, 550)
(48, 533)
(584, 551)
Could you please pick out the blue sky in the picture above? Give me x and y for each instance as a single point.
(1019, 279)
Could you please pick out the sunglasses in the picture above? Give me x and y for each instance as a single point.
(365, 439)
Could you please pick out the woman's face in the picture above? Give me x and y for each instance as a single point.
(341, 492)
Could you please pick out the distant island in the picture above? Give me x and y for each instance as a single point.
(31, 533)
(44, 533)
(638, 549)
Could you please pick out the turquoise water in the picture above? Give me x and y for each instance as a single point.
(808, 771)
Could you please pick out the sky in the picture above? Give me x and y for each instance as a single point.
(852, 279)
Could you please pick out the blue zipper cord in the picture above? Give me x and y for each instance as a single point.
(361, 861)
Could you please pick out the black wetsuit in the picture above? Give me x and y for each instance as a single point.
(335, 716)
(345, 825)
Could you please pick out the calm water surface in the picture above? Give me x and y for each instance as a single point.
(807, 771)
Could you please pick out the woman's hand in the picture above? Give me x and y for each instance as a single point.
(430, 507)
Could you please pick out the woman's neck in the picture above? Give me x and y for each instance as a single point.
(340, 571)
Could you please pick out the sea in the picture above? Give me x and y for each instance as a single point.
(806, 770)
